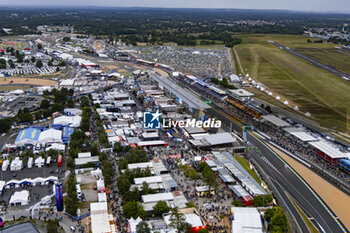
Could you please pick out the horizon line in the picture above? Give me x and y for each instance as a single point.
(182, 8)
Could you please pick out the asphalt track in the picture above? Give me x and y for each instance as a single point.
(288, 181)
(314, 62)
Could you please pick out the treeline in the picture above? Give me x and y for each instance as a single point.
(162, 25)
(223, 83)
(131, 198)
(55, 101)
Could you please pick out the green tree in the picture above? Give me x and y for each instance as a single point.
(143, 227)
(145, 188)
(209, 177)
(70, 103)
(123, 184)
(11, 63)
(66, 39)
(52, 226)
(277, 219)
(94, 148)
(5, 125)
(236, 203)
(190, 205)
(71, 200)
(117, 147)
(62, 63)
(161, 208)
(178, 221)
(133, 209)
(203, 230)
(32, 59)
(44, 104)
(39, 63)
(262, 200)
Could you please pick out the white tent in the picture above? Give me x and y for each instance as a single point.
(67, 82)
(56, 146)
(50, 135)
(20, 198)
(73, 121)
(100, 184)
(96, 173)
(133, 223)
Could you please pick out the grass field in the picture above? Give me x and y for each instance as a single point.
(11, 88)
(332, 57)
(312, 89)
(246, 166)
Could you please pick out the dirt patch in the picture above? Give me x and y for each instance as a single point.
(28, 81)
(338, 201)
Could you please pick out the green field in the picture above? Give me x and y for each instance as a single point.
(333, 57)
(11, 88)
(312, 89)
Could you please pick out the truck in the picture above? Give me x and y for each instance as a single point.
(78, 190)
(30, 162)
(48, 160)
(59, 161)
(5, 165)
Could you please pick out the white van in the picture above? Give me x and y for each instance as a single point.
(30, 162)
(48, 160)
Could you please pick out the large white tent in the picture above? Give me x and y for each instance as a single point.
(50, 135)
(73, 121)
(20, 198)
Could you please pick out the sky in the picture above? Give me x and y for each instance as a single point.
(342, 6)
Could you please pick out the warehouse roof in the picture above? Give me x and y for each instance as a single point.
(192, 101)
(329, 150)
(246, 219)
(20, 228)
(220, 138)
(148, 180)
(99, 217)
(276, 121)
(82, 161)
(157, 197)
(300, 134)
(242, 93)
(132, 166)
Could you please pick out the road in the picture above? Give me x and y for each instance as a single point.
(314, 62)
(289, 182)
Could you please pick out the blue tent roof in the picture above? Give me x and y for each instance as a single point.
(67, 132)
(31, 134)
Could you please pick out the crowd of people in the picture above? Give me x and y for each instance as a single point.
(204, 62)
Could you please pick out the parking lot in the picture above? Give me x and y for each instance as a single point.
(45, 171)
(28, 102)
(30, 70)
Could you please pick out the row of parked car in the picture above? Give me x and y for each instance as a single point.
(34, 70)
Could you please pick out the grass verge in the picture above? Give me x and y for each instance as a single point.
(307, 221)
(246, 166)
